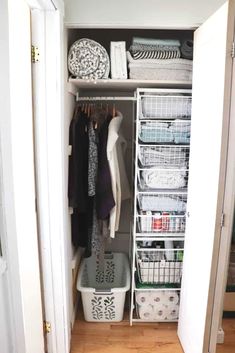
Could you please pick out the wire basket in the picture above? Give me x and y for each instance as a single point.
(153, 178)
(165, 131)
(166, 106)
(159, 266)
(162, 202)
(157, 305)
(164, 156)
(161, 222)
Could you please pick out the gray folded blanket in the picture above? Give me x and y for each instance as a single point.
(187, 49)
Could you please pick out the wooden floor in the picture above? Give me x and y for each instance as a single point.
(140, 338)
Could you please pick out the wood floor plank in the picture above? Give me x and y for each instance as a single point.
(140, 338)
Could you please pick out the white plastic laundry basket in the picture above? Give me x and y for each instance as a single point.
(103, 286)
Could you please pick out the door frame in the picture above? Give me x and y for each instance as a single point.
(48, 98)
(25, 297)
(217, 333)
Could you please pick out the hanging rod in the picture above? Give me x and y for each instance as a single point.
(78, 98)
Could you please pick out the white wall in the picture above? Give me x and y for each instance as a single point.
(140, 13)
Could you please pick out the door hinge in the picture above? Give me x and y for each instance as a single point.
(47, 326)
(233, 50)
(222, 220)
(34, 54)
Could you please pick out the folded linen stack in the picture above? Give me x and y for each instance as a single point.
(164, 179)
(151, 202)
(156, 59)
(165, 132)
(162, 157)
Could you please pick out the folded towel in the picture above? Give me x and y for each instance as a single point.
(180, 126)
(162, 157)
(155, 54)
(160, 74)
(162, 203)
(158, 63)
(187, 49)
(155, 132)
(164, 179)
(140, 52)
(151, 41)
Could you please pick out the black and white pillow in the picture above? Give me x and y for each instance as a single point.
(88, 59)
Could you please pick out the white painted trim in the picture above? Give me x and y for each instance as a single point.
(47, 34)
(20, 238)
(125, 26)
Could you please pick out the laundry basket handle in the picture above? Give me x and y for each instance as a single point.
(103, 291)
(108, 255)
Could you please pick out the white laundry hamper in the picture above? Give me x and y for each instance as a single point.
(103, 286)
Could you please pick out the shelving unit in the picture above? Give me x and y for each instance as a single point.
(160, 199)
(122, 85)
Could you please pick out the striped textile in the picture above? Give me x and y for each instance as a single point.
(156, 54)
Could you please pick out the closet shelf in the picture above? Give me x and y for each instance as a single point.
(122, 85)
(159, 236)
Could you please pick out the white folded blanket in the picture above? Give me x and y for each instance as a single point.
(163, 157)
(162, 203)
(180, 126)
(164, 179)
(160, 74)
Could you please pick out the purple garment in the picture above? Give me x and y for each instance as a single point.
(104, 194)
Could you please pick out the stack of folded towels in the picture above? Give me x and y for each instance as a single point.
(160, 59)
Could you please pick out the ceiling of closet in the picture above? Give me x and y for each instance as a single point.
(139, 13)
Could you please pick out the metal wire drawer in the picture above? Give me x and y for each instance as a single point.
(165, 106)
(159, 266)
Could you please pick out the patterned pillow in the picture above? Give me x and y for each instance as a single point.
(87, 59)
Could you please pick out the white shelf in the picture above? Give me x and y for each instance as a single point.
(159, 236)
(122, 85)
(154, 289)
(153, 321)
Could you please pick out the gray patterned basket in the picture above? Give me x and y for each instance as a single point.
(103, 287)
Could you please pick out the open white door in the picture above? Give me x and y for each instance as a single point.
(210, 125)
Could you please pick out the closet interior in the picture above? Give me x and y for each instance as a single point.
(143, 232)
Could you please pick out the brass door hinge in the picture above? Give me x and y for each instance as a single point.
(34, 54)
(47, 326)
(233, 50)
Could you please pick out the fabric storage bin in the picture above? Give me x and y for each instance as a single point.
(159, 201)
(166, 106)
(153, 178)
(164, 156)
(161, 222)
(160, 265)
(103, 287)
(165, 131)
(157, 305)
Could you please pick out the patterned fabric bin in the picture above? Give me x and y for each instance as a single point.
(103, 286)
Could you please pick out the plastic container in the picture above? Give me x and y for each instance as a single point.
(103, 287)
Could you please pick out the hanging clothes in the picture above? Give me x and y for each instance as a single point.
(119, 180)
(82, 217)
(104, 194)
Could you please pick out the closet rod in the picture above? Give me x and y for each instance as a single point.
(105, 98)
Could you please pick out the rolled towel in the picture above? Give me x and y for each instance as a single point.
(146, 312)
(187, 49)
(143, 298)
(158, 298)
(173, 312)
(171, 298)
(160, 312)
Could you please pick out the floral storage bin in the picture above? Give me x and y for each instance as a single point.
(103, 286)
